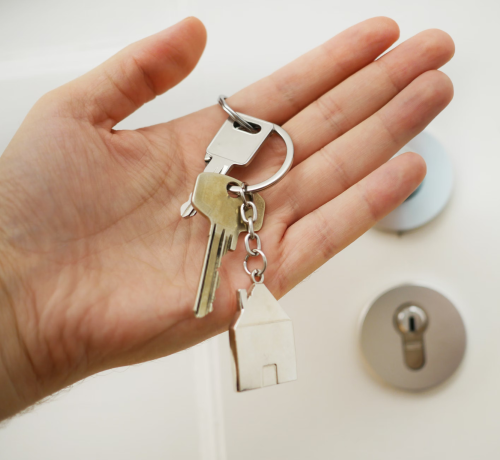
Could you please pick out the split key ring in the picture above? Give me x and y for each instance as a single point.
(248, 123)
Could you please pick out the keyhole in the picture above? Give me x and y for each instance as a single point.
(257, 128)
(411, 322)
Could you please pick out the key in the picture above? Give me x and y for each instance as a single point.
(231, 146)
(211, 199)
(215, 164)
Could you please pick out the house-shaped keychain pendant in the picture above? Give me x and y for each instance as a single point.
(261, 339)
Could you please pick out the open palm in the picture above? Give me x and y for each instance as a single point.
(100, 269)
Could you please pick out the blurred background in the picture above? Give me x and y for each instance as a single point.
(184, 406)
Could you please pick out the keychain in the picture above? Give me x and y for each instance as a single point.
(261, 334)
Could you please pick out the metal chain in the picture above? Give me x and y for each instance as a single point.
(256, 274)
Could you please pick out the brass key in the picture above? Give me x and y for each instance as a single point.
(211, 199)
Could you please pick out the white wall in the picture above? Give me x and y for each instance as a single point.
(336, 409)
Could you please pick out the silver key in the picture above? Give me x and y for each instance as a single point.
(231, 146)
(262, 342)
(211, 199)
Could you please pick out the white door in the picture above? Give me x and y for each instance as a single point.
(184, 406)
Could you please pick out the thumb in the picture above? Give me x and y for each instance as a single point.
(136, 75)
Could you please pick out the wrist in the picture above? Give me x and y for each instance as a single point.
(19, 386)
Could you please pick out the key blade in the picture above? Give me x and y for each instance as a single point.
(218, 165)
(209, 279)
(212, 200)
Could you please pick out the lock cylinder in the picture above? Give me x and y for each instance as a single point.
(411, 322)
(413, 337)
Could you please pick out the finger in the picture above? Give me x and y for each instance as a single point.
(342, 163)
(137, 74)
(365, 92)
(320, 235)
(284, 93)
(356, 98)
(352, 100)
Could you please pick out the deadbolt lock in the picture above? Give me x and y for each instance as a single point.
(411, 322)
(413, 337)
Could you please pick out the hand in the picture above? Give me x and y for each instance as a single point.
(98, 268)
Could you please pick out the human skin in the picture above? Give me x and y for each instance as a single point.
(98, 269)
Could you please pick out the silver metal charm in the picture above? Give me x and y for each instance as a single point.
(262, 342)
(261, 334)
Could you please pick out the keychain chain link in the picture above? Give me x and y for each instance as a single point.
(251, 235)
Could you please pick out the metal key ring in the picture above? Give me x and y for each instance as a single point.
(235, 116)
(278, 175)
(285, 167)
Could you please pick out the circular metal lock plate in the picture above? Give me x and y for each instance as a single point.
(443, 338)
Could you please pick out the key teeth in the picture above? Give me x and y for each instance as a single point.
(216, 284)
